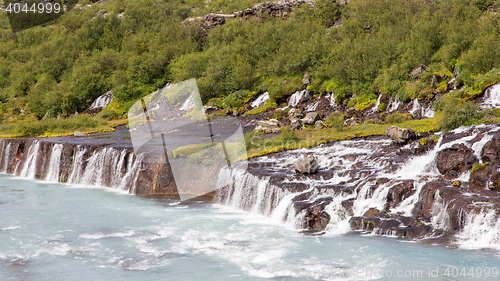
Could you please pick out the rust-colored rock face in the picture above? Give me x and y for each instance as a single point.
(455, 160)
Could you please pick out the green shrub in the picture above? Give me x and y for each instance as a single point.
(457, 114)
(397, 117)
(335, 120)
(237, 98)
(109, 114)
(381, 106)
(289, 135)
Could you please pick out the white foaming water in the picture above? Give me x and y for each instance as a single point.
(6, 157)
(313, 105)
(394, 104)
(375, 107)
(492, 97)
(102, 101)
(296, 97)
(421, 111)
(29, 168)
(77, 169)
(440, 216)
(107, 236)
(55, 163)
(189, 104)
(261, 100)
(481, 230)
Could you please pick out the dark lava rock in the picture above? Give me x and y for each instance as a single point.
(306, 165)
(318, 219)
(453, 161)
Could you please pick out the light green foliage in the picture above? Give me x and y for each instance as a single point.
(397, 117)
(288, 135)
(62, 66)
(335, 120)
(456, 114)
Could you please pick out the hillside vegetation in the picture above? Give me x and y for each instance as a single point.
(134, 47)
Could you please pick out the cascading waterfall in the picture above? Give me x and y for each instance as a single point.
(29, 168)
(296, 97)
(55, 163)
(492, 98)
(481, 230)
(375, 107)
(77, 169)
(394, 104)
(6, 157)
(261, 100)
(417, 109)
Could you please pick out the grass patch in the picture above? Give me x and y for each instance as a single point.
(476, 167)
(58, 127)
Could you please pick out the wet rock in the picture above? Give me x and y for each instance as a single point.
(296, 125)
(490, 151)
(398, 193)
(400, 135)
(209, 109)
(318, 219)
(311, 118)
(419, 70)
(236, 113)
(267, 126)
(306, 165)
(228, 112)
(422, 135)
(495, 181)
(372, 212)
(455, 160)
(318, 125)
(79, 134)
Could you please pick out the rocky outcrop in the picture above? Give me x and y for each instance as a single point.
(400, 135)
(268, 126)
(311, 118)
(295, 114)
(296, 125)
(418, 71)
(455, 160)
(306, 165)
(274, 9)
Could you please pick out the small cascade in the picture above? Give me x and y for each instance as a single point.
(313, 105)
(440, 217)
(29, 169)
(101, 102)
(419, 111)
(261, 100)
(375, 107)
(394, 104)
(78, 165)
(491, 98)
(5, 156)
(55, 163)
(189, 104)
(481, 230)
(296, 97)
(333, 102)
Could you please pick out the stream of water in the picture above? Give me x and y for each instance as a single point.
(53, 231)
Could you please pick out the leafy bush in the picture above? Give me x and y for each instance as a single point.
(289, 135)
(237, 98)
(397, 117)
(335, 120)
(457, 114)
(109, 114)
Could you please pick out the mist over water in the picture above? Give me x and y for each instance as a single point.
(52, 231)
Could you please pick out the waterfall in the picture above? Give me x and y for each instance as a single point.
(77, 168)
(419, 111)
(189, 104)
(6, 157)
(492, 97)
(261, 100)
(55, 163)
(296, 97)
(481, 230)
(29, 168)
(313, 105)
(375, 107)
(394, 104)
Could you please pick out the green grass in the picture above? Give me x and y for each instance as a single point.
(57, 127)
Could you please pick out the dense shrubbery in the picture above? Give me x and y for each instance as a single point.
(456, 114)
(60, 69)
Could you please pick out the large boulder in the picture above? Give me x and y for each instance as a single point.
(268, 126)
(400, 135)
(295, 114)
(311, 118)
(418, 71)
(209, 109)
(306, 165)
(455, 160)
